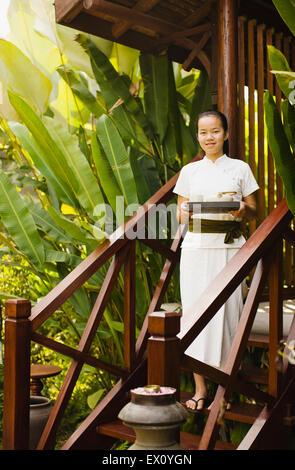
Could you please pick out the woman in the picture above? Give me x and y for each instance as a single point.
(204, 254)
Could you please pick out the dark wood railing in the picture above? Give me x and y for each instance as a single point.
(263, 250)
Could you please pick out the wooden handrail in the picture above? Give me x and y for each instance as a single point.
(121, 248)
(236, 270)
(76, 278)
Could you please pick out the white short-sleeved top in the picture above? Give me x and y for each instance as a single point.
(206, 178)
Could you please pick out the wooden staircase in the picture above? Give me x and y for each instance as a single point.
(157, 355)
(188, 441)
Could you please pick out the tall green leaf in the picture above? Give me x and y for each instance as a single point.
(39, 159)
(46, 145)
(70, 227)
(173, 141)
(154, 71)
(281, 69)
(107, 178)
(118, 158)
(84, 184)
(201, 101)
(286, 9)
(23, 77)
(107, 76)
(19, 223)
(97, 107)
(280, 147)
(129, 131)
(289, 122)
(46, 223)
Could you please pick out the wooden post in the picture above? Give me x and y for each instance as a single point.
(275, 316)
(228, 69)
(16, 375)
(130, 307)
(163, 350)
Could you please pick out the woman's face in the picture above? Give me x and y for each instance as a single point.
(211, 135)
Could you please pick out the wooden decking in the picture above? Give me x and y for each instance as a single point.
(187, 441)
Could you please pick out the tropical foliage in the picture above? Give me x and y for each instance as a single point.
(281, 129)
(85, 126)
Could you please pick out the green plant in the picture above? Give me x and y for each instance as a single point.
(280, 125)
(92, 130)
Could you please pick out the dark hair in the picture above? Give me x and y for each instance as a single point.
(221, 116)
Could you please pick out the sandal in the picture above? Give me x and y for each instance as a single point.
(196, 410)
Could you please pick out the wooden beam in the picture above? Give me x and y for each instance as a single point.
(199, 14)
(196, 50)
(98, 7)
(67, 10)
(185, 33)
(122, 26)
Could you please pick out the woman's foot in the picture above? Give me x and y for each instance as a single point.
(197, 403)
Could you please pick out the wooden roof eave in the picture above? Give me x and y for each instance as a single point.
(135, 27)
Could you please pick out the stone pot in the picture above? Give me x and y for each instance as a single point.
(156, 418)
(40, 408)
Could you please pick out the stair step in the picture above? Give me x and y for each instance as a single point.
(187, 441)
(255, 375)
(242, 412)
(258, 341)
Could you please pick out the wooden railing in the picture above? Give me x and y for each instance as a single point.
(23, 321)
(262, 250)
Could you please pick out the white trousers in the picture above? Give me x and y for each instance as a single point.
(198, 268)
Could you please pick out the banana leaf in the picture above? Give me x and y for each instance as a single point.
(286, 9)
(201, 102)
(154, 71)
(173, 141)
(107, 178)
(280, 67)
(45, 223)
(46, 146)
(289, 122)
(107, 77)
(280, 147)
(53, 256)
(80, 89)
(19, 223)
(22, 77)
(29, 145)
(118, 158)
(83, 144)
(190, 149)
(85, 186)
(145, 173)
(71, 228)
(129, 131)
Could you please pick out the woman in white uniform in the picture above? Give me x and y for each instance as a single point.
(206, 251)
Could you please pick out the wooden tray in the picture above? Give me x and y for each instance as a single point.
(213, 207)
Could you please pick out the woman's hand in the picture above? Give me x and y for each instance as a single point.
(247, 208)
(241, 213)
(183, 210)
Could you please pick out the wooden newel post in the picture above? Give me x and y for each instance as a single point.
(163, 349)
(16, 375)
(275, 316)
